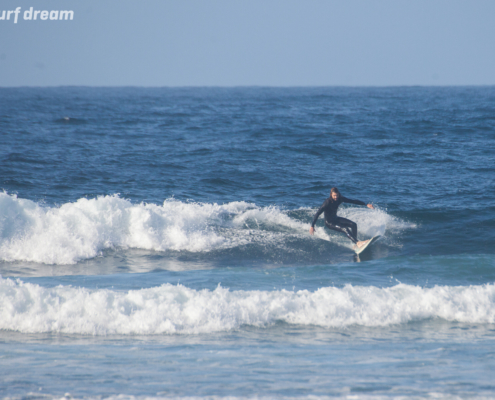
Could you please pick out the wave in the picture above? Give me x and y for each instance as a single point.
(176, 309)
(76, 231)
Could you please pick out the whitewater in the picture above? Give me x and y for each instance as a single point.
(34, 232)
(169, 309)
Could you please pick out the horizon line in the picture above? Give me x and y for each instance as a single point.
(244, 86)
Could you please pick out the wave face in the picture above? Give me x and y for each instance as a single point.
(176, 309)
(81, 230)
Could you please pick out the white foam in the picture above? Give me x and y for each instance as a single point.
(80, 230)
(374, 222)
(170, 309)
(77, 231)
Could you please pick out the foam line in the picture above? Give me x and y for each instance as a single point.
(176, 309)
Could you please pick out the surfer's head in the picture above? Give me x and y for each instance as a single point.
(334, 193)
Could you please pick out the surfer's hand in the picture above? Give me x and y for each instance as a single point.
(371, 206)
(311, 231)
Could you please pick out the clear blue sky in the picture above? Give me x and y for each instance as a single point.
(252, 42)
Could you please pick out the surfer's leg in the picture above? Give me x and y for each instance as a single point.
(347, 224)
(336, 227)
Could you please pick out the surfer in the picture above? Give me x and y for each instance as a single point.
(339, 224)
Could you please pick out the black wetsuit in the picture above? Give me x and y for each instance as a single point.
(335, 223)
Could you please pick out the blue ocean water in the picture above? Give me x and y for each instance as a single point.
(154, 243)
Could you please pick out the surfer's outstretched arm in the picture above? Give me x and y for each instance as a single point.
(358, 202)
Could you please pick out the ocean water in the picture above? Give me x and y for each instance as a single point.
(154, 243)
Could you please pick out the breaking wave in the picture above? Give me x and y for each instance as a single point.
(83, 229)
(176, 309)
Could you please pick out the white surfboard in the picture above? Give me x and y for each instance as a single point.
(359, 250)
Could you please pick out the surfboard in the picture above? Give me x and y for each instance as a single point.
(359, 250)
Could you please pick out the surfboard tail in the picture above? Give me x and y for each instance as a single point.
(359, 250)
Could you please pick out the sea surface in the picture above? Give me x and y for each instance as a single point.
(154, 243)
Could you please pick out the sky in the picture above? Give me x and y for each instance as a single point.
(250, 43)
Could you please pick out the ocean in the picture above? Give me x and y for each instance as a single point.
(154, 243)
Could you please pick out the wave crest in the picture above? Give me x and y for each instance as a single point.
(170, 309)
(83, 229)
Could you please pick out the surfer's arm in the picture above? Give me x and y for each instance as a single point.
(318, 213)
(358, 202)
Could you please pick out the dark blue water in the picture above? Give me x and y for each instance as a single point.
(168, 229)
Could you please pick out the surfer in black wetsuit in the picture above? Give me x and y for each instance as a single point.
(339, 224)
